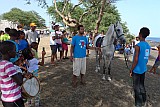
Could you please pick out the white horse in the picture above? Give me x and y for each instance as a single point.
(115, 31)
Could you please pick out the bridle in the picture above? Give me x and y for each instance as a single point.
(118, 36)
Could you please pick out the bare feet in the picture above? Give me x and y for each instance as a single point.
(52, 63)
(74, 84)
(83, 83)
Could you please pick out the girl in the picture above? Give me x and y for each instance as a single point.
(65, 44)
(32, 67)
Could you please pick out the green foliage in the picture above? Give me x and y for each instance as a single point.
(110, 15)
(24, 17)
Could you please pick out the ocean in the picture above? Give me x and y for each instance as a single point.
(153, 39)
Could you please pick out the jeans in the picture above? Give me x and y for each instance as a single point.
(139, 89)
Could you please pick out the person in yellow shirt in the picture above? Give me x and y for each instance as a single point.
(6, 35)
(1, 33)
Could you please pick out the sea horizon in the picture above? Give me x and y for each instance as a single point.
(153, 39)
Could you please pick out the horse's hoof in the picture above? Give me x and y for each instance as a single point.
(99, 68)
(96, 70)
(104, 78)
(109, 79)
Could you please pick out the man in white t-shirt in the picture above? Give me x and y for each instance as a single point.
(32, 34)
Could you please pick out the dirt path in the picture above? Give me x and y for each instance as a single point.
(56, 89)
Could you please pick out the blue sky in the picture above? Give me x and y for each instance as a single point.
(137, 13)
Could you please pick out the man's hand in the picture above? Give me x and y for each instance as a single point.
(71, 58)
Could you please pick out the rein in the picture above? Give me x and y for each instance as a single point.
(106, 45)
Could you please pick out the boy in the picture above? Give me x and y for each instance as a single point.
(10, 79)
(139, 67)
(6, 35)
(34, 49)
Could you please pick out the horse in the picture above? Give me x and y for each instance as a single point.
(115, 32)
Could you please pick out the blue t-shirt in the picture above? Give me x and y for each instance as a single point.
(80, 43)
(144, 53)
(22, 44)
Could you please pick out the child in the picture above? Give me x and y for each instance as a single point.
(32, 67)
(11, 91)
(157, 62)
(34, 48)
(127, 51)
(65, 45)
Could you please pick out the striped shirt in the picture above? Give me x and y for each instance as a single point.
(10, 89)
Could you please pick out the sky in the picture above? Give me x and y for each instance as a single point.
(137, 13)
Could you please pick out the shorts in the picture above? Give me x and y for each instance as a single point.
(59, 47)
(79, 66)
(64, 46)
(156, 64)
(53, 49)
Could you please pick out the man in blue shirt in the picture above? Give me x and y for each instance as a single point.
(78, 55)
(139, 67)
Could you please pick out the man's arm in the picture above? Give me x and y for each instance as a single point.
(135, 60)
(71, 52)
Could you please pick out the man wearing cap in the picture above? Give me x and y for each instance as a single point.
(32, 34)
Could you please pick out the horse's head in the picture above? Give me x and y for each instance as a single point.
(119, 32)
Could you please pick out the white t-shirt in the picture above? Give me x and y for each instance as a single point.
(32, 36)
(32, 65)
(54, 42)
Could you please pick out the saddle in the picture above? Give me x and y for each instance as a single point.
(99, 41)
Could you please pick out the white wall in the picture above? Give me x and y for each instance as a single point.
(5, 23)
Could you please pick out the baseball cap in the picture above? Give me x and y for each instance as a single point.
(33, 24)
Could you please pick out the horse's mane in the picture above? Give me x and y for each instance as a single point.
(109, 34)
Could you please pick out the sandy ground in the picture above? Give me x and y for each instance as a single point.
(56, 89)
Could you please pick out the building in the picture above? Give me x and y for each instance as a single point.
(6, 23)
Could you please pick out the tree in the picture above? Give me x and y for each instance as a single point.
(24, 17)
(93, 14)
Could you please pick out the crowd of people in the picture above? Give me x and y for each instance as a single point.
(19, 50)
(19, 59)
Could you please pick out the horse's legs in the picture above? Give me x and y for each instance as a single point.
(109, 68)
(104, 68)
(97, 62)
